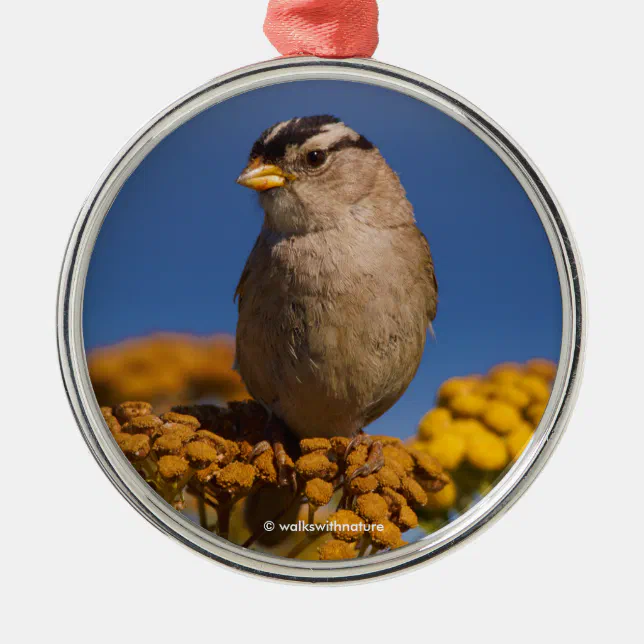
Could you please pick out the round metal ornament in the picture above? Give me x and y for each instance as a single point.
(483, 508)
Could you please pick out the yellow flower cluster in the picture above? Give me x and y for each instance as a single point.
(385, 498)
(220, 456)
(166, 368)
(482, 423)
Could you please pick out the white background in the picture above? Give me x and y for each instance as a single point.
(564, 78)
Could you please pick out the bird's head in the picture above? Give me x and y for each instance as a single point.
(313, 173)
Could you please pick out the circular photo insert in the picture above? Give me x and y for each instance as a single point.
(322, 320)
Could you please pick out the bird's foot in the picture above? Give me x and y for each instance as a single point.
(375, 457)
(283, 463)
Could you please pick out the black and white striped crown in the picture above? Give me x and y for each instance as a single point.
(274, 141)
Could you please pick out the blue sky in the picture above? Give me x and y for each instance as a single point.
(174, 243)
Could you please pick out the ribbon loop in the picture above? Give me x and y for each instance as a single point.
(324, 28)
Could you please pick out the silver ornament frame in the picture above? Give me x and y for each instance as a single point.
(74, 364)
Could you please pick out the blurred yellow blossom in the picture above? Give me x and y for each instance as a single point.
(444, 499)
(467, 405)
(448, 449)
(455, 387)
(166, 368)
(466, 427)
(486, 451)
(535, 411)
(506, 373)
(501, 417)
(537, 388)
(510, 394)
(434, 422)
(518, 439)
(479, 426)
(545, 369)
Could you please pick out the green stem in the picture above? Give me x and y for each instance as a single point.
(223, 520)
(203, 517)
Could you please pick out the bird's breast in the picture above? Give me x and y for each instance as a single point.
(329, 330)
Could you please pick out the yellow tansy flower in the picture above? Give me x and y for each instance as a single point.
(433, 423)
(467, 405)
(486, 451)
(546, 369)
(534, 412)
(518, 439)
(444, 499)
(465, 427)
(501, 417)
(455, 387)
(512, 395)
(448, 449)
(506, 373)
(537, 388)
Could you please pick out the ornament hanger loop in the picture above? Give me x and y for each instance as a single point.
(323, 28)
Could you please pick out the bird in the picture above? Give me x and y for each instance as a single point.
(339, 291)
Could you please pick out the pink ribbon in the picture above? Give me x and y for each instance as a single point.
(324, 28)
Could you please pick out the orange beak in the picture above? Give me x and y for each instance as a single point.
(262, 176)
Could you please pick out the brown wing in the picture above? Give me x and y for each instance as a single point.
(239, 291)
(428, 267)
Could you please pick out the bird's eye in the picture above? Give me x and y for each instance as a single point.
(316, 158)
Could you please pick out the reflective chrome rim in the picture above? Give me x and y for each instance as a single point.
(133, 487)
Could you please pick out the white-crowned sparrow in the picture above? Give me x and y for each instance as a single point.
(339, 290)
